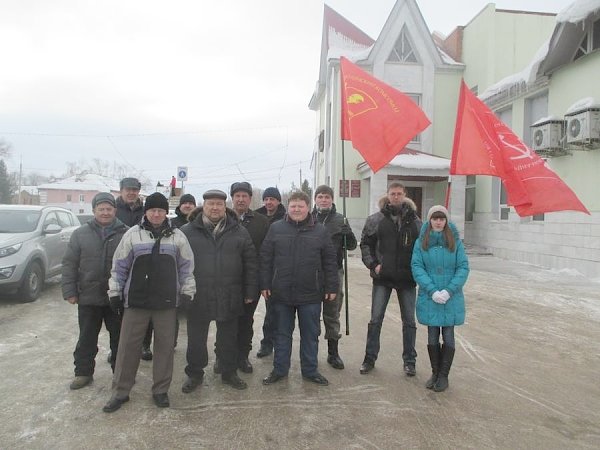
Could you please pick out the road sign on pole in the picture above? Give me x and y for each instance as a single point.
(182, 173)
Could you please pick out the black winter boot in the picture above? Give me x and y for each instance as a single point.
(435, 354)
(333, 357)
(447, 356)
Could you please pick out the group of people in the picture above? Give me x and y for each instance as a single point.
(133, 268)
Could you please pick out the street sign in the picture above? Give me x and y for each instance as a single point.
(182, 173)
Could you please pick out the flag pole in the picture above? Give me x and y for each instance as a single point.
(345, 266)
(448, 191)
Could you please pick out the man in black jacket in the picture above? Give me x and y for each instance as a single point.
(386, 245)
(85, 273)
(187, 203)
(257, 226)
(130, 208)
(225, 273)
(298, 272)
(343, 239)
(274, 211)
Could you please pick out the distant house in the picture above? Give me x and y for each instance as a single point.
(28, 196)
(76, 193)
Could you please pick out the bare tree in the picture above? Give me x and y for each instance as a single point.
(5, 148)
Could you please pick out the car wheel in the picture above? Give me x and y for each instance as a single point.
(33, 281)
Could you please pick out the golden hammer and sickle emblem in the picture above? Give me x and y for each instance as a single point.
(355, 99)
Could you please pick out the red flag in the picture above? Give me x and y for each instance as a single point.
(483, 145)
(378, 119)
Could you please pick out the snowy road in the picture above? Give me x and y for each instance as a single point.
(525, 376)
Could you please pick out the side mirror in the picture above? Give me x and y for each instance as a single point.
(52, 228)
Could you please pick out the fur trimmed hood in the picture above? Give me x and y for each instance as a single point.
(383, 202)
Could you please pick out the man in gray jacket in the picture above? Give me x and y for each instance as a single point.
(85, 273)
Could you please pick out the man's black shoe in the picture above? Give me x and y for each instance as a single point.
(366, 366)
(245, 366)
(272, 378)
(146, 354)
(335, 361)
(234, 381)
(264, 350)
(409, 370)
(317, 379)
(161, 400)
(114, 404)
(190, 385)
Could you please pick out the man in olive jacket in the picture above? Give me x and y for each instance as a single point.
(298, 271)
(85, 273)
(225, 271)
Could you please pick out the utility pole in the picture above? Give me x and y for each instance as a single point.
(300, 185)
(20, 178)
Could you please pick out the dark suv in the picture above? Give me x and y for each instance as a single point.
(33, 241)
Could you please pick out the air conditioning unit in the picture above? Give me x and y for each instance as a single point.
(547, 137)
(583, 127)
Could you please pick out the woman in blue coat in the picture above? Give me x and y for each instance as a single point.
(440, 267)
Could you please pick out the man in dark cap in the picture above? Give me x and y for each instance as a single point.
(343, 239)
(152, 274)
(226, 278)
(272, 208)
(130, 208)
(85, 273)
(274, 211)
(187, 203)
(257, 226)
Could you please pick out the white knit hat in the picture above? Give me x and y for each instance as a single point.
(437, 208)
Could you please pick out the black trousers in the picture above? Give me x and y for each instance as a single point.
(197, 351)
(269, 326)
(246, 330)
(90, 324)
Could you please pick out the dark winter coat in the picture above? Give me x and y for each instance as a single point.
(258, 226)
(180, 220)
(436, 269)
(87, 262)
(129, 215)
(225, 267)
(297, 262)
(279, 213)
(334, 222)
(391, 244)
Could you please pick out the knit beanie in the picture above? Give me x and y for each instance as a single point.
(271, 192)
(324, 189)
(187, 198)
(437, 208)
(103, 197)
(156, 200)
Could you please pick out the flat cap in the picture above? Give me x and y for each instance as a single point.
(214, 193)
(103, 197)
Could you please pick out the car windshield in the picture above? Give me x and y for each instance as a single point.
(13, 221)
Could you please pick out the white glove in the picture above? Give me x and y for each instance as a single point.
(438, 297)
(445, 295)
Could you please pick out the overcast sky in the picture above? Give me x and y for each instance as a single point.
(221, 87)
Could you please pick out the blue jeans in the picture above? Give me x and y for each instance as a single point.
(433, 336)
(310, 327)
(407, 299)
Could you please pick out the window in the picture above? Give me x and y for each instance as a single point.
(68, 197)
(64, 219)
(81, 198)
(81, 211)
(535, 108)
(403, 49)
(538, 218)
(470, 198)
(504, 208)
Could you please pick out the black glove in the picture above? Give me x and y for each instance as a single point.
(346, 230)
(185, 301)
(116, 304)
